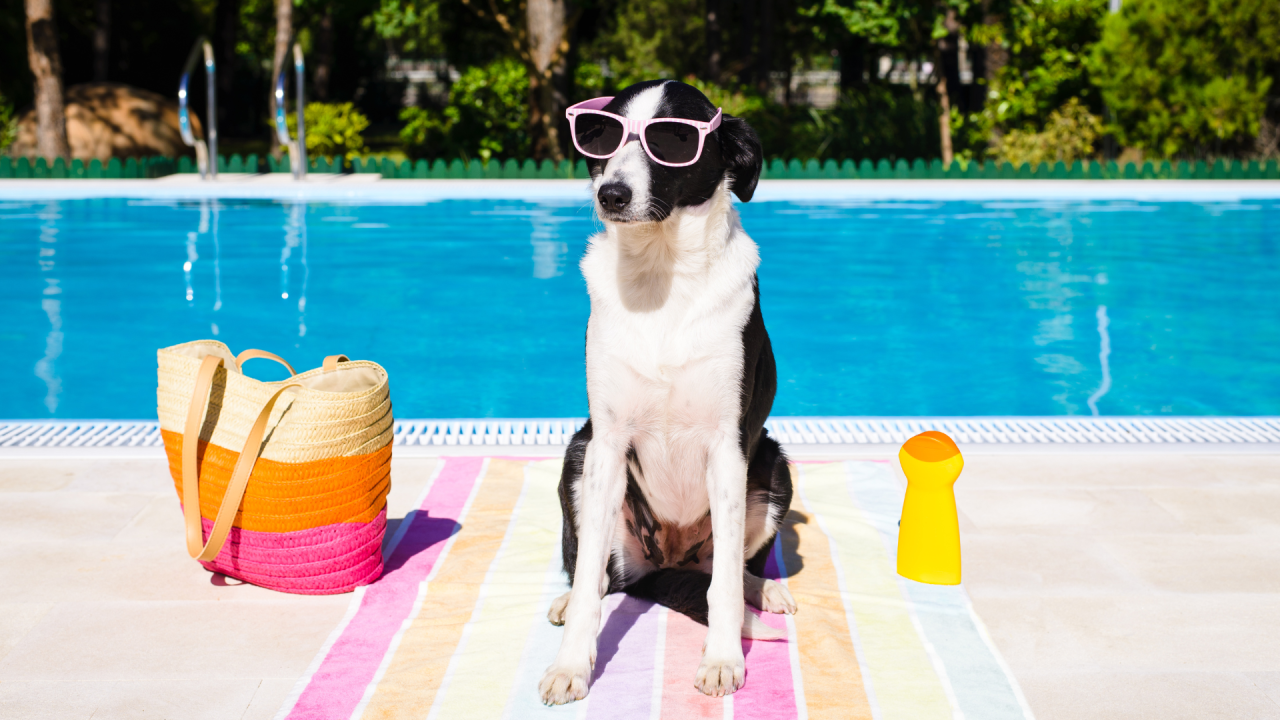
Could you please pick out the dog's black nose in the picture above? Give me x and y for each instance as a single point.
(614, 196)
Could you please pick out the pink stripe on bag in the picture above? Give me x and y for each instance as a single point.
(337, 686)
(320, 561)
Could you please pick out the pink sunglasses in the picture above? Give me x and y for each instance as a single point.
(669, 141)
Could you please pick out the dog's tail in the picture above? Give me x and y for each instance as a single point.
(685, 591)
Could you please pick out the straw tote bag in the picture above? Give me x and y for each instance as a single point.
(283, 484)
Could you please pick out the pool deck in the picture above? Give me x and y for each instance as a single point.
(372, 188)
(1117, 582)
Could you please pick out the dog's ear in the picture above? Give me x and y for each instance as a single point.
(741, 154)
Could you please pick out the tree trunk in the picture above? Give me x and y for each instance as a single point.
(46, 66)
(324, 48)
(944, 120)
(101, 40)
(226, 19)
(713, 41)
(944, 53)
(284, 33)
(995, 57)
(548, 44)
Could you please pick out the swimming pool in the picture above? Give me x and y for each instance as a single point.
(476, 307)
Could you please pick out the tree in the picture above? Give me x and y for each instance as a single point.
(1036, 52)
(1188, 77)
(916, 29)
(541, 43)
(46, 66)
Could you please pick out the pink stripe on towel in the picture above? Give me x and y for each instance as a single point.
(338, 684)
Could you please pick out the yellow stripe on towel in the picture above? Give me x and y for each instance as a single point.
(408, 688)
(833, 686)
(902, 678)
(484, 668)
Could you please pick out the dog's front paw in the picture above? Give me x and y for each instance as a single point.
(562, 685)
(718, 677)
(558, 606)
(775, 598)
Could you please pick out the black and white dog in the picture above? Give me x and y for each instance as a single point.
(673, 491)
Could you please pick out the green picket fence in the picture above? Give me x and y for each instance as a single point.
(113, 169)
(457, 169)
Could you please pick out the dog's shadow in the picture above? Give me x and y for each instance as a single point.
(616, 627)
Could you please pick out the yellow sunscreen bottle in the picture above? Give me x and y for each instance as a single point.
(929, 533)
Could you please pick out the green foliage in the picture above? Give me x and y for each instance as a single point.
(1048, 42)
(413, 27)
(333, 129)
(1068, 136)
(487, 116)
(880, 121)
(1187, 77)
(650, 40)
(8, 124)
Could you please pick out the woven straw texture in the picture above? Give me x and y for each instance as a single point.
(313, 513)
(306, 424)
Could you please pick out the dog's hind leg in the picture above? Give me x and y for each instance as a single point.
(770, 596)
(599, 502)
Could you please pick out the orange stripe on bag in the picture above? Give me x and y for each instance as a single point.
(289, 496)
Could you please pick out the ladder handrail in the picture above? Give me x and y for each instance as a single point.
(204, 151)
(297, 148)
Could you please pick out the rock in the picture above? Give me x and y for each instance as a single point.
(106, 120)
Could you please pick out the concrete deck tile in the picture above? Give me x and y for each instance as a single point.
(1147, 696)
(1023, 564)
(98, 475)
(16, 620)
(1051, 510)
(1223, 510)
(199, 699)
(1200, 563)
(1154, 632)
(31, 516)
(1268, 683)
(50, 700)
(174, 640)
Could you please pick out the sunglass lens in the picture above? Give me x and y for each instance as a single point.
(597, 134)
(672, 142)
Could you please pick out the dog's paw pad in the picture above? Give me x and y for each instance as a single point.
(563, 685)
(775, 598)
(718, 678)
(558, 607)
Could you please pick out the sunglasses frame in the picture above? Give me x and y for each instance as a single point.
(636, 127)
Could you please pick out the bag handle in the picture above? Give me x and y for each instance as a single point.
(251, 354)
(331, 362)
(196, 547)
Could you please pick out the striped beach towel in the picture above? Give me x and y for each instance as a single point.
(456, 627)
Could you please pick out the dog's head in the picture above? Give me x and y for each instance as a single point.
(631, 187)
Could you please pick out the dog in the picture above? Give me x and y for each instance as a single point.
(672, 491)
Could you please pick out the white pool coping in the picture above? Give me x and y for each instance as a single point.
(372, 188)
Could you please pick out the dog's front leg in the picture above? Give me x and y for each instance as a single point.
(604, 482)
(723, 668)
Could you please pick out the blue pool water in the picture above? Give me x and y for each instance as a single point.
(477, 309)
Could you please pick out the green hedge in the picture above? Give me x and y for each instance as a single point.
(456, 169)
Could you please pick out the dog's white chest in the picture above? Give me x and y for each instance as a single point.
(666, 377)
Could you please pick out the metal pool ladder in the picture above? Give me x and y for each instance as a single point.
(297, 148)
(208, 170)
